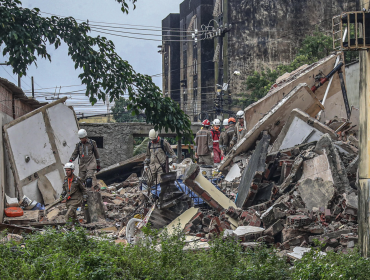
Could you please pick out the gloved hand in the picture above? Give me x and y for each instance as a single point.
(70, 160)
(98, 168)
(61, 197)
(174, 166)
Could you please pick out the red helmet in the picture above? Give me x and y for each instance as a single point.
(232, 120)
(206, 123)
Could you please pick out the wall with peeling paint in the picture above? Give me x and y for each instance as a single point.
(267, 33)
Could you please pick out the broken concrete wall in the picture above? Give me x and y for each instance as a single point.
(341, 182)
(300, 128)
(7, 185)
(255, 111)
(334, 107)
(37, 163)
(256, 167)
(115, 141)
(300, 97)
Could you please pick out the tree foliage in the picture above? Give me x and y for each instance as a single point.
(122, 114)
(25, 35)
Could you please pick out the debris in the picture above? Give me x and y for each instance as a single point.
(13, 212)
(206, 190)
(183, 220)
(233, 173)
(252, 175)
(316, 193)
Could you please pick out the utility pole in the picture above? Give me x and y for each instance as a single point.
(219, 32)
(364, 165)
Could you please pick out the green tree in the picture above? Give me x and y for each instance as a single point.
(25, 35)
(122, 114)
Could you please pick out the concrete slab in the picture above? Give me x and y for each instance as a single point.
(300, 128)
(248, 233)
(181, 221)
(316, 193)
(257, 110)
(206, 190)
(298, 253)
(339, 174)
(50, 147)
(256, 165)
(300, 97)
(317, 167)
(233, 173)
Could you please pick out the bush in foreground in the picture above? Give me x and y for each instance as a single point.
(73, 255)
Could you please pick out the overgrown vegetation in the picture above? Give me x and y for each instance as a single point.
(313, 48)
(74, 255)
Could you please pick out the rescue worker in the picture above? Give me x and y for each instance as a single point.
(157, 153)
(204, 145)
(88, 157)
(225, 125)
(227, 143)
(75, 193)
(240, 129)
(216, 132)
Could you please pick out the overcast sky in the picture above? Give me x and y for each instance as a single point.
(141, 54)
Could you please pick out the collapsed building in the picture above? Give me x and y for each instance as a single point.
(290, 180)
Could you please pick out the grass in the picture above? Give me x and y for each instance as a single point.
(72, 255)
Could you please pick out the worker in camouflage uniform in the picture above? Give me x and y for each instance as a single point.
(204, 145)
(240, 129)
(222, 140)
(88, 155)
(74, 192)
(228, 137)
(157, 153)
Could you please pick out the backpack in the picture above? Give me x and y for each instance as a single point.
(161, 146)
(92, 144)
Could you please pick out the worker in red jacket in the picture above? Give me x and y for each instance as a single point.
(215, 131)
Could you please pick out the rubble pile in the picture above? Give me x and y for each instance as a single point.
(289, 197)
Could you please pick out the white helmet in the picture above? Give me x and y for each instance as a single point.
(216, 122)
(240, 115)
(82, 133)
(69, 165)
(226, 122)
(153, 134)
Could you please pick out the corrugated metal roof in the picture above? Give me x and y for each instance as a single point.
(20, 95)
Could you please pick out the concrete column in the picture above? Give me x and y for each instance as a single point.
(364, 166)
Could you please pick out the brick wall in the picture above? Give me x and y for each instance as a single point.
(6, 101)
(20, 107)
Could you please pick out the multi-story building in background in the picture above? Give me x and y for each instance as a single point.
(260, 34)
(196, 59)
(170, 50)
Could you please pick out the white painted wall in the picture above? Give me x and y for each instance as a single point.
(29, 138)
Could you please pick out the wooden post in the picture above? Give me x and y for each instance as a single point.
(364, 165)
